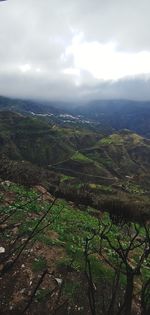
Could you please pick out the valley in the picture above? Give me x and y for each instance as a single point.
(75, 161)
(74, 214)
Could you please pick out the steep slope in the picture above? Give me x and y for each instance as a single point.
(81, 152)
(80, 165)
(31, 139)
(123, 153)
(118, 157)
(46, 248)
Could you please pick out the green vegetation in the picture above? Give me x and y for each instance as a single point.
(71, 290)
(39, 264)
(31, 146)
(70, 234)
(72, 225)
(103, 188)
(42, 294)
(133, 188)
(80, 157)
(65, 178)
(77, 243)
(114, 139)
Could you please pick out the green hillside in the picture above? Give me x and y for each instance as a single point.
(82, 165)
(74, 219)
(53, 251)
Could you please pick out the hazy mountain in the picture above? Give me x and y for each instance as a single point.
(106, 115)
(119, 114)
(27, 106)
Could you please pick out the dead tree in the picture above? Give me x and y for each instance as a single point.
(128, 242)
(124, 254)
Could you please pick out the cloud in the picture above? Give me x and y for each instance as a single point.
(75, 50)
(103, 61)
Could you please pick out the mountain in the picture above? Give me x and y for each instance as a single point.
(81, 164)
(100, 115)
(74, 216)
(27, 106)
(113, 115)
(119, 114)
(33, 139)
(123, 153)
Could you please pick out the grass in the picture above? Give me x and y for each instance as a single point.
(42, 294)
(71, 289)
(134, 188)
(65, 178)
(72, 226)
(100, 187)
(39, 264)
(117, 139)
(113, 139)
(80, 157)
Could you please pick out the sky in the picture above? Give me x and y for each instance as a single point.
(75, 50)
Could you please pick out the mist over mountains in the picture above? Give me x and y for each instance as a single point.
(103, 114)
(75, 157)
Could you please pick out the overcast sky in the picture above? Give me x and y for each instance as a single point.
(75, 49)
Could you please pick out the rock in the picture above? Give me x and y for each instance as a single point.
(40, 189)
(6, 182)
(139, 239)
(23, 291)
(48, 197)
(3, 226)
(17, 224)
(2, 250)
(45, 194)
(59, 281)
(15, 230)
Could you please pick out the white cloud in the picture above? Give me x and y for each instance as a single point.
(25, 68)
(104, 61)
(72, 49)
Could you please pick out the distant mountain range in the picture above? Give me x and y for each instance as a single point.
(120, 114)
(105, 115)
(27, 106)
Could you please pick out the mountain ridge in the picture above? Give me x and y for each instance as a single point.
(101, 114)
(79, 164)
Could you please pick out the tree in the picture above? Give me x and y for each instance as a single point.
(129, 246)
